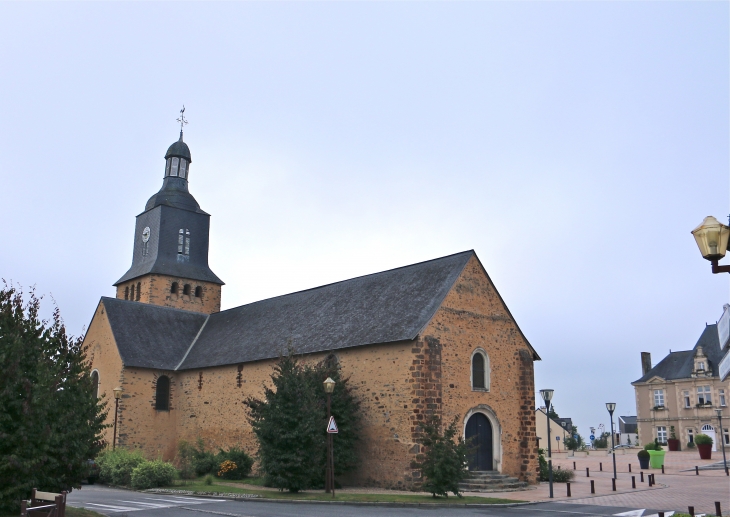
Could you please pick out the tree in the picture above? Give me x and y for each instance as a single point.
(552, 413)
(290, 424)
(573, 444)
(50, 419)
(444, 463)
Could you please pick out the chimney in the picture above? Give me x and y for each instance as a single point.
(645, 362)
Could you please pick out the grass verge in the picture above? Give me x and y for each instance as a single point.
(343, 496)
(70, 512)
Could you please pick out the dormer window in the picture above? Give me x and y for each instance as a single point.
(183, 242)
(175, 165)
(701, 366)
(183, 168)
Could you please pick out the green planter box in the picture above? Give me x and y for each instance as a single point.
(656, 459)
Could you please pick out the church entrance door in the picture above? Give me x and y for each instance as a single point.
(478, 437)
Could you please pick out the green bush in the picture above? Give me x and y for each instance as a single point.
(690, 445)
(703, 439)
(563, 476)
(116, 466)
(243, 462)
(153, 474)
(653, 446)
(208, 480)
(643, 453)
(444, 463)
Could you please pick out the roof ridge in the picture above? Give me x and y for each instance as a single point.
(347, 280)
(200, 331)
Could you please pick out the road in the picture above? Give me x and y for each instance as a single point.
(120, 503)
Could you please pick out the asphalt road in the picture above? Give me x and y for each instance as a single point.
(120, 503)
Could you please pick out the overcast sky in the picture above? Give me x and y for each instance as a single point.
(572, 145)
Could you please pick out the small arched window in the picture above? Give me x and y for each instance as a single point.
(174, 288)
(162, 393)
(95, 383)
(139, 290)
(131, 297)
(126, 293)
(480, 370)
(186, 289)
(198, 292)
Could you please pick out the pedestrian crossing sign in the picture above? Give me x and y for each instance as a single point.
(332, 426)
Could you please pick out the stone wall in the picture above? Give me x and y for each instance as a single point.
(157, 290)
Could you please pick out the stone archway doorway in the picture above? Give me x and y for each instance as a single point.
(479, 439)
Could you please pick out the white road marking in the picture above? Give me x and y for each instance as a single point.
(631, 513)
(116, 508)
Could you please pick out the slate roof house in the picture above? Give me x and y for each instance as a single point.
(681, 391)
(430, 337)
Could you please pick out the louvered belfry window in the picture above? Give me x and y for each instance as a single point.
(162, 393)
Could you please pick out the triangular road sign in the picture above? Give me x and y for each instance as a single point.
(332, 426)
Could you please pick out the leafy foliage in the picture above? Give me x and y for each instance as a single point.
(444, 463)
(50, 420)
(194, 460)
(153, 474)
(117, 466)
(703, 439)
(290, 424)
(653, 446)
(643, 453)
(573, 444)
(559, 475)
(241, 462)
(602, 441)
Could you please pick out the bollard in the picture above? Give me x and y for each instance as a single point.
(642, 476)
(629, 467)
(573, 465)
(613, 484)
(697, 470)
(633, 481)
(650, 480)
(568, 487)
(593, 487)
(662, 469)
(727, 471)
(691, 510)
(600, 466)
(588, 474)
(718, 511)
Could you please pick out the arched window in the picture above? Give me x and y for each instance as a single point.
(162, 393)
(95, 383)
(480, 370)
(198, 292)
(139, 290)
(186, 289)
(174, 288)
(131, 297)
(126, 293)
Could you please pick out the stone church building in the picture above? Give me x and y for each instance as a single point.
(429, 337)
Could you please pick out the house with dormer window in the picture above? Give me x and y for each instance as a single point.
(682, 391)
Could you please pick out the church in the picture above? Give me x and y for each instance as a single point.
(432, 337)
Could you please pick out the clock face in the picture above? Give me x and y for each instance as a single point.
(146, 234)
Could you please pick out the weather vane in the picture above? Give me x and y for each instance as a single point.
(182, 120)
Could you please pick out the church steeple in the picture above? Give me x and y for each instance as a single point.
(170, 255)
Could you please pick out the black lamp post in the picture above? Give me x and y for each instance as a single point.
(718, 412)
(117, 396)
(547, 396)
(329, 481)
(611, 406)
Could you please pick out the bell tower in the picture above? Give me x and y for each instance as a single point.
(170, 255)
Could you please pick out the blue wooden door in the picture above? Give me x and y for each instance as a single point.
(479, 440)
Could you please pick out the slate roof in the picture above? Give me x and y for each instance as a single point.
(384, 307)
(627, 424)
(678, 365)
(151, 336)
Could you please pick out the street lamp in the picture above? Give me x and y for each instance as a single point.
(117, 395)
(611, 406)
(329, 481)
(712, 239)
(547, 396)
(718, 412)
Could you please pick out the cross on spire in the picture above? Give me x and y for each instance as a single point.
(182, 121)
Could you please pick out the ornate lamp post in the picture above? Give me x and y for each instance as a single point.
(718, 412)
(329, 480)
(117, 395)
(611, 406)
(547, 396)
(712, 239)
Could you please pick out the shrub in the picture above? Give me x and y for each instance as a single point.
(563, 476)
(690, 445)
(543, 464)
(242, 461)
(643, 453)
(653, 446)
(703, 439)
(116, 466)
(152, 474)
(208, 480)
(444, 464)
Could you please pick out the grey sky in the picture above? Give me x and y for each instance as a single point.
(573, 145)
